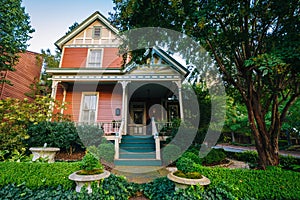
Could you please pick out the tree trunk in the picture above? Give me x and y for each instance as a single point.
(266, 142)
(267, 149)
(232, 137)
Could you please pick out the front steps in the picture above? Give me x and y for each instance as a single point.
(137, 151)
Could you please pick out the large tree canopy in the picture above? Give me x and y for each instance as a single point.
(14, 33)
(255, 44)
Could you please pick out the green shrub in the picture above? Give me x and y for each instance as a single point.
(248, 156)
(188, 175)
(215, 156)
(16, 115)
(185, 165)
(160, 188)
(119, 187)
(287, 162)
(89, 162)
(90, 135)
(170, 153)
(37, 174)
(273, 183)
(106, 151)
(193, 156)
(56, 134)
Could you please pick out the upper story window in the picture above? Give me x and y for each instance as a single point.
(97, 32)
(95, 58)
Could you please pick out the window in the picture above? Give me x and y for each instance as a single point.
(95, 58)
(89, 108)
(97, 32)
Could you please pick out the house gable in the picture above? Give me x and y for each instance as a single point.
(83, 33)
(160, 63)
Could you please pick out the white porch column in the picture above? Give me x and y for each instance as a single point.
(53, 96)
(124, 106)
(178, 83)
(54, 89)
(64, 96)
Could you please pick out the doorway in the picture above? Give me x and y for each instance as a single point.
(137, 125)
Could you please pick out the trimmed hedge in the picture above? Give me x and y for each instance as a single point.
(35, 175)
(44, 180)
(273, 183)
(112, 187)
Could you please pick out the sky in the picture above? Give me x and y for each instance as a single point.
(51, 19)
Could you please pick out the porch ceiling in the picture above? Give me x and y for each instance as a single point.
(151, 91)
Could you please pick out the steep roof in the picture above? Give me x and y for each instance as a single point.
(173, 62)
(83, 25)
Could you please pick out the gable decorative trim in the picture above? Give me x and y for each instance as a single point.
(95, 16)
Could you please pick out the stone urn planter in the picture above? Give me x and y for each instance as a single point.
(44, 152)
(182, 183)
(91, 170)
(86, 180)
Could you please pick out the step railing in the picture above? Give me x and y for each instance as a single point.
(156, 138)
(118, 139)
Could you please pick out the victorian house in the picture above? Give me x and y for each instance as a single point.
(128, 101)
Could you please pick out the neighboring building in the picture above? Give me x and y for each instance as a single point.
(26, 71)
(121, 99)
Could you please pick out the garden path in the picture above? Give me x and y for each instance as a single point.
(234, 148)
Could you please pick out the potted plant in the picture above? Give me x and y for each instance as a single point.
(91, 170)
(185, 175)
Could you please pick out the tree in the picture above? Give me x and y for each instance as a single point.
(15, 31)
(255, 44)
(72, 27)
(42, 86)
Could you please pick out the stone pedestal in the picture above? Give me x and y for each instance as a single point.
(44, 152)
(82, 180)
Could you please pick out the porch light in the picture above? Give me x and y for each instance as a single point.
(173, 98)
(118, 112)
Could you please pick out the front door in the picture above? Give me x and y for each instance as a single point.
(137, 125)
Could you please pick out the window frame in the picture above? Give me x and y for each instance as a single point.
(82, 106)
(88, 64)
(94, 31)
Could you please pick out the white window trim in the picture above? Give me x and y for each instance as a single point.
(88, 57)
(93, 34)
(81, 104)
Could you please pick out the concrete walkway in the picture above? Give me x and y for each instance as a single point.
(140, 174)
(233, 148)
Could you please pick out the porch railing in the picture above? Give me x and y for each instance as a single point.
(163, 128)
(109, 128)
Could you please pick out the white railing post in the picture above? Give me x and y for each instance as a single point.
(157, 140)
(118, 139)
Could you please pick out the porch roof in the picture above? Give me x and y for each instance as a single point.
(114, 77)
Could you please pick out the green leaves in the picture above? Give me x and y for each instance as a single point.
(90, 162)
(56, 134)
(16, 115)
(15, 31)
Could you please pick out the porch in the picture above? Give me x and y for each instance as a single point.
(138, 150)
